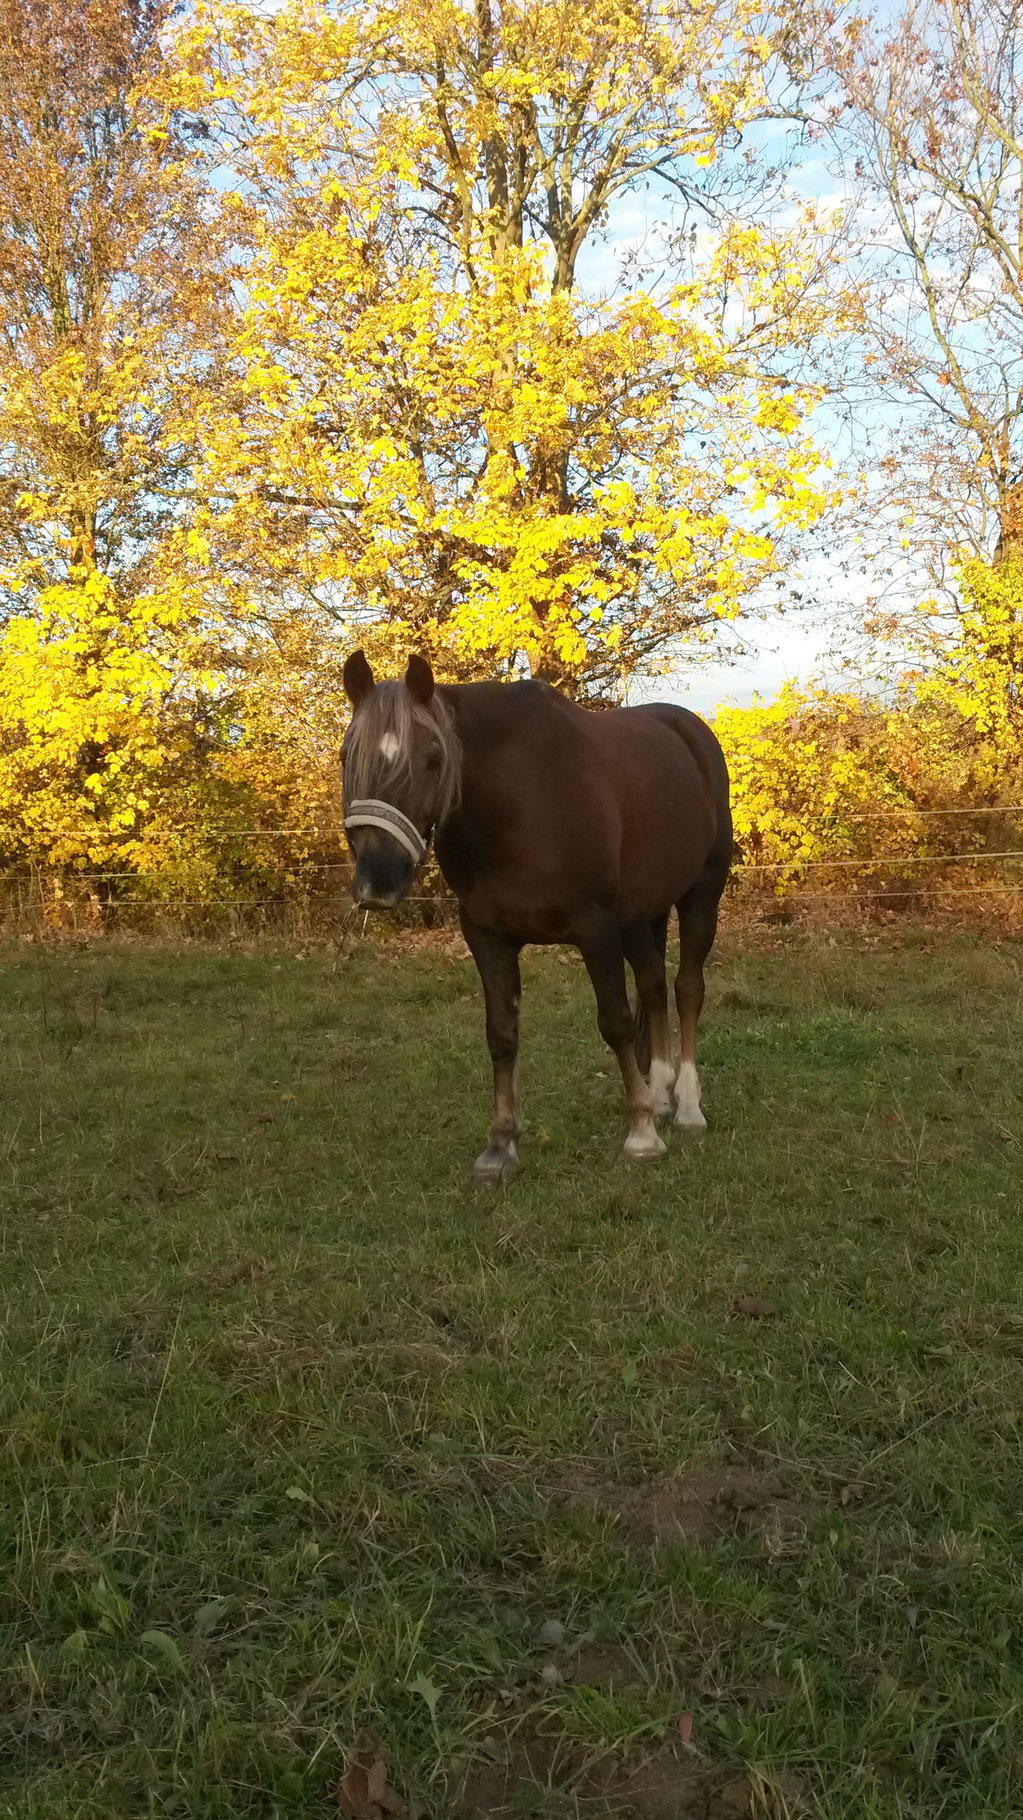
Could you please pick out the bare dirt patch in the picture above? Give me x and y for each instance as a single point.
(695, 1507)
(539, 1774)
(600, 1665)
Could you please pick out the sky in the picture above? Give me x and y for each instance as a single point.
(777, 652)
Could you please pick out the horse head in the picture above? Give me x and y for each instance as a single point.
(401, 766)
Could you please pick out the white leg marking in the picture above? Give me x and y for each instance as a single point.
(643, 1140)
(687, 1099)
(643, 1143)
(662, 1077)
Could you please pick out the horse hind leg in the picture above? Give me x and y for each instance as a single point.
(698, 918)
(645, 950)
(602, 945)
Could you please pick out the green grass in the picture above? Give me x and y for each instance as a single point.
(302, 1435)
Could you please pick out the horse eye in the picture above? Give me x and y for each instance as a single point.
(433, 762)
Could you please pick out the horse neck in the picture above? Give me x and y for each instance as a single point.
(472, 710)
(480, 712)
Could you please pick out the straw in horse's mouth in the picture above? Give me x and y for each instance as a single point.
(380, 903)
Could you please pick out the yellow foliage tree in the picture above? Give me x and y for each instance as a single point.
(107, 297)
(80, 689)
(820, 777)
(108, 304)
(809, 770)
(446, 417)
(975, 694)
(126, 764)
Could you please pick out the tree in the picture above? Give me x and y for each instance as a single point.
(106, 320)
(980, 678)
(932, 105)
(448, 416)
(104, 307)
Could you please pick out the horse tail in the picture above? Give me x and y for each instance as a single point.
(659, 931)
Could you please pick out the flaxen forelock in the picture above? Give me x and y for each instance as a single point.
(378, 749)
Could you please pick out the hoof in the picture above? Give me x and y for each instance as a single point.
(495, 1167)
(644, 1146)
(690, 1119)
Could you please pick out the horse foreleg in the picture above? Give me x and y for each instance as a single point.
(603, 952)
(497, 961)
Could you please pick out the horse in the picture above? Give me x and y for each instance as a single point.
(551, 823)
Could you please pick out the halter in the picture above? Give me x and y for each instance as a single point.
(374, 814)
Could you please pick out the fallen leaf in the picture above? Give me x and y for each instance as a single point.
(428, 1691)
(209, 1615)
(364, 1792)
(757, 1307)
(165, 1647)
(685, 1728)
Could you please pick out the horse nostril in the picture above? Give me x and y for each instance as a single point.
(374, 896)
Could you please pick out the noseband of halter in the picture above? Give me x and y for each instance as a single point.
(374, 814)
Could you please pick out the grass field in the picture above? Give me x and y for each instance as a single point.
(680, 1493)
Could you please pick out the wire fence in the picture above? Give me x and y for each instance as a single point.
(313, 884)
(742, 869)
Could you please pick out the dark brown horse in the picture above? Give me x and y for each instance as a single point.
(551, 824)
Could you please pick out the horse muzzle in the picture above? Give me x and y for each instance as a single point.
(370, 894)
(388, 852)
(383, 872)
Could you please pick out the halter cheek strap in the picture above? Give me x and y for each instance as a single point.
(374, 814)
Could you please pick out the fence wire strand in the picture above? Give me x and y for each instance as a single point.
(740, 869)
(293, 895)
(447, 900)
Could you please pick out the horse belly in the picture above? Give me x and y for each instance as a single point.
(528, 909)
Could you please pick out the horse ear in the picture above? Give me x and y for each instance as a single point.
(357, 678)
(419, 680)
